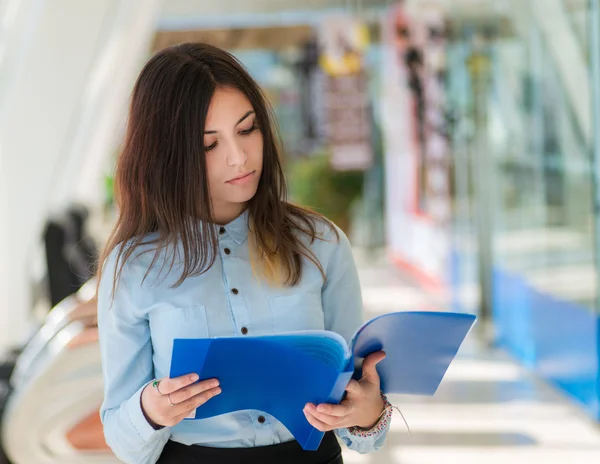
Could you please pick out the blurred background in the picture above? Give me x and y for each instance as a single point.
(457, 142)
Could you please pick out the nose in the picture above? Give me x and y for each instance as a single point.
(236, 155)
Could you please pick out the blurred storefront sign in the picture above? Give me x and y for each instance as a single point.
(346, 100)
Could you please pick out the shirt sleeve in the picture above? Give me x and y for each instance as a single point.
(126, 352)
(343, 308)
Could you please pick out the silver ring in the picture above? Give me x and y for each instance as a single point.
(169, 398)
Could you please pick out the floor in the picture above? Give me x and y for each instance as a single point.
(487, 410)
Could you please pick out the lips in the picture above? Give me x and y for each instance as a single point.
(241, 176)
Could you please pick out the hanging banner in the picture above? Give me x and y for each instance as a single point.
(343, 41)
(417, 157)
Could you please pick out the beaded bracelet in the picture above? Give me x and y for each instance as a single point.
(382, 422)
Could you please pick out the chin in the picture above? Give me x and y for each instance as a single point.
(242, 197)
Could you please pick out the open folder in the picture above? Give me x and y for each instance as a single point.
(280, 373)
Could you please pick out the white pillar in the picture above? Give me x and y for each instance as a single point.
(67, 89)
(5, 311)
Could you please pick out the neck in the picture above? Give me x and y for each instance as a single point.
(225, 214)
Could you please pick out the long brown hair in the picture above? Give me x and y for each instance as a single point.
(161, 182)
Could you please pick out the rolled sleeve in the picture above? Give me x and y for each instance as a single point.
(127, 367)
(133, 408)
(363, 444)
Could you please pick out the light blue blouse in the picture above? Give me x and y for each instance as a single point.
(137, 331)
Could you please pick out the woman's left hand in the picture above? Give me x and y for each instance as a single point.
(362, 406)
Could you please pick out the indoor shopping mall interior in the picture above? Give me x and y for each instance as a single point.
(455, 143)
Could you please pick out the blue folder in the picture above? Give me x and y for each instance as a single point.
(279, 374)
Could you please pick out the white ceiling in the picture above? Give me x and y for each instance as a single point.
(186, 14)
(197, 14)
(178, 8)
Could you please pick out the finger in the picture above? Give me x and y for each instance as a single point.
(198, 400)
(338, 410)
(190, 391)
(170, 421)
(332, 421)
(353, 387)
(316, 423)
(167, 385)
(180, 417)
(369, 369)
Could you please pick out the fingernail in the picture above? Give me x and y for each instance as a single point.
(215, 383)
(217, 391)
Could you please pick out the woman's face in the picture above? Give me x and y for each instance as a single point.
(234, 153)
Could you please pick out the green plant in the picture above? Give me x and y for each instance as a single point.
(313, 183)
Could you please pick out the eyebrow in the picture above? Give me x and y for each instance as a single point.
(241, 119)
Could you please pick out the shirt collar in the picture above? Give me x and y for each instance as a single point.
(238, 228)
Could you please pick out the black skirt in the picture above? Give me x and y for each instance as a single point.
(285, 453)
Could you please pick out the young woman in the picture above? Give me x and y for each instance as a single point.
(206, 245)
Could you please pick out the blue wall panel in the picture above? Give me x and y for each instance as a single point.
(559, 339)
(566, 340)
(512, 315)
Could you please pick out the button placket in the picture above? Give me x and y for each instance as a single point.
(237, 303)
(263, 429)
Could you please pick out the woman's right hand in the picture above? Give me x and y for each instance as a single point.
(174, 399)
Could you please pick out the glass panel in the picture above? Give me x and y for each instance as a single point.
(531, 118)
(553, 243)
(510, 87)
(576, 12)
(594, 41)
